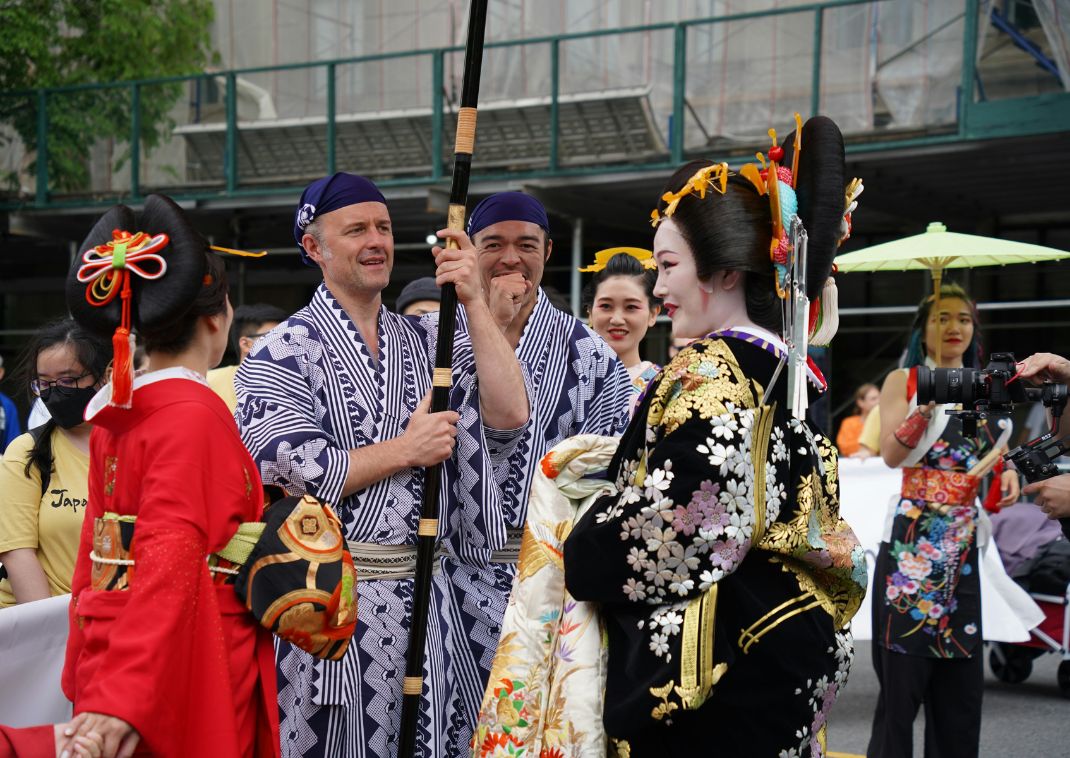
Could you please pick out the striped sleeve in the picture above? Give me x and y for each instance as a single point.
(281, 414)
(608, 413)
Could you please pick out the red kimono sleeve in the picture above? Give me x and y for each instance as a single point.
(27, 742)
(164, 633)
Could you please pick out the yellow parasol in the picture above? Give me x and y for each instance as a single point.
(937, 249)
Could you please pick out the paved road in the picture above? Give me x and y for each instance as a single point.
(1028, 720)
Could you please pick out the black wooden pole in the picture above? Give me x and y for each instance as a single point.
(412, 688)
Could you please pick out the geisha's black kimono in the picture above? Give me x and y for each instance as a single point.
(725, 574)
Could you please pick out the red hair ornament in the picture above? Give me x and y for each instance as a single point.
(106, 269)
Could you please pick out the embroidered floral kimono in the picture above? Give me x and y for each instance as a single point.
(725, 575)
(929, 581)
(641, 375)
(927, 575)
(546, 685)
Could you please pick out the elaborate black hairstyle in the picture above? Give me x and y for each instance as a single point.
(156, 304)
(732, 231)
(153, 275)
(820, 188)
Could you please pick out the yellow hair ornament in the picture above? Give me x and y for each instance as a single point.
(751, 173)
(854, 189)
(707, 177)
(798, 149)
(601, 258)
(239, 253)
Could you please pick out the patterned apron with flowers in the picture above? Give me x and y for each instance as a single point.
(927, 592)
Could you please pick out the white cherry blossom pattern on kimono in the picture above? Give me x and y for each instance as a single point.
(686, 545)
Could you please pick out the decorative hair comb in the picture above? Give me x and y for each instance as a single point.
(106, 271)
(602, 257)
(706, 178)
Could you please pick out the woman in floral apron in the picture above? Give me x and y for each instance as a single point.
(927, 590)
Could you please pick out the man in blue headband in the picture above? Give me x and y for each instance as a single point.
(579, 385)
(334, 402)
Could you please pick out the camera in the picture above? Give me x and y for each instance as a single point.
(993, 391)
(1035, 460)
(987, 390)
(981, 392)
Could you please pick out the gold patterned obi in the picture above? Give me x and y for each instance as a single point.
(113, 568)
(946, 488)
(292, 570)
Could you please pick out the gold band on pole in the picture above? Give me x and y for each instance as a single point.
(428, 527)
(455, 217)
(442, 377)
(412, 685)
(466, 131)
(455, 221)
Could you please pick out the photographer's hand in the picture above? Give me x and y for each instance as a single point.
(1052, 495)
(1045, 367)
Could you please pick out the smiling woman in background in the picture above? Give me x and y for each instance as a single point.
(621, 307)
(43, 479)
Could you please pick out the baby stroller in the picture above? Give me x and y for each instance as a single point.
(1037, 556)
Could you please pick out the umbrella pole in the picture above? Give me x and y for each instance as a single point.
(938, 276)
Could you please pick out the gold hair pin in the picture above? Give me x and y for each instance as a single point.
(707, 177)
(239, 253)
(601, 258)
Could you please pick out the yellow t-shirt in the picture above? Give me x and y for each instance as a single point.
(871, 431)
(51, 524)
(221, 380)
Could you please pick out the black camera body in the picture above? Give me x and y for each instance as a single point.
(993, 391)
(980, 392)
(1036, 460)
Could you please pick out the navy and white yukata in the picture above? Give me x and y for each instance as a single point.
(310, 392)
(578, 386)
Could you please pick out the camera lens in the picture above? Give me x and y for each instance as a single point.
(925, 385)
(952, 390)
(942, 385)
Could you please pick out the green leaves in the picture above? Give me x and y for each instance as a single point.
(53, 43)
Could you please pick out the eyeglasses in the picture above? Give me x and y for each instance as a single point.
(65, 384)
(256, 336)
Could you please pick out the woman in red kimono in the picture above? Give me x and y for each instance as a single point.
(163, 656)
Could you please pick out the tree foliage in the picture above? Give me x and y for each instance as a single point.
(54, 43)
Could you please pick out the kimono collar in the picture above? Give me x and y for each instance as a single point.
(773, 345)
(103, 397)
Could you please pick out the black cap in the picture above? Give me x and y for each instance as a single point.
(423, 288)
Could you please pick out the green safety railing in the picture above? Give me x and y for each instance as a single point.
(676, 142)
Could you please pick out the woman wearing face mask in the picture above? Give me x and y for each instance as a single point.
(43, 480)
(724, 574)
(621, 307)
